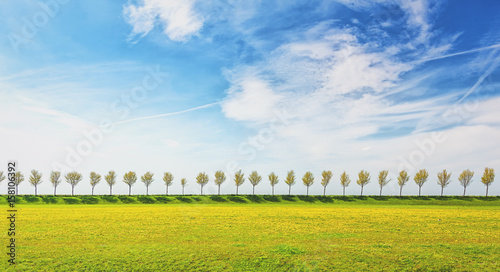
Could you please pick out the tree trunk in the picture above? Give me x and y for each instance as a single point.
(92, 190)
(237, 189)
(343, 190)
(253, 192)
(289, 189)
(55, 188)
(166, 190)
(361, 190)
(35, 190)
(419, 188)
(110, 190)
(324, 191)
(129, 189)
(17, 189)
(400, 190)
(273, 189)
(487, 190)
(307, 191)
(218, 191)
(182, 190)
(201, 189)
(147, 190)
(442, 190)
(464, 190)
(72, 190)
(380, 190)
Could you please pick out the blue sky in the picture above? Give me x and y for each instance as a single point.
(194, 86)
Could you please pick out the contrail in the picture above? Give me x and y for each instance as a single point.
(165, 114)
(461, 53)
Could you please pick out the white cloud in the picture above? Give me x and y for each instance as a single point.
(178, 18)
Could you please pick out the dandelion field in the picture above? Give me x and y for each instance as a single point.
(257, 237)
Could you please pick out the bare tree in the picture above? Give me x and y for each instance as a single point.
(220, 177)
(290, 180)
(55, 179)
(168, 178)
(35, 179)
(183, 184)
(443, 179)
(73, 178)
(403, 178)
(363, 179)
(273, 178)
(239, 178)
(254, 179)
(111, 180)
(130, 178)
(344, 181)
(94, 180)
(421, 178)
(18, 178)
(308, 180)
(488, 178)
(327, 176)
(382, 179)
(465, 178)
(147, 179)
(202, 179)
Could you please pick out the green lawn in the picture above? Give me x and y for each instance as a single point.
(360, 234)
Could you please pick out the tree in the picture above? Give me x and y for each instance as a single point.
(147, 179)
(344, 181)
(73, 178)
(18, 178)
(308, 180)
(2, 177)
(130, 178)
(382, 179)
(239, 178)
(465, 178)
(202, 179)
(273, 178)
(183, 184)
(327, 176)
(363, 179)
(168, 178)
(403, 178)
(487, 178)
(421, 178)
(254, 179)
(55, 179)
(290, 180)
(220, 177)
(443, 180)
(111, 180)
(35, 179)
(94, 179)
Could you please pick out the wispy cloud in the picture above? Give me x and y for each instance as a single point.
(177, 19)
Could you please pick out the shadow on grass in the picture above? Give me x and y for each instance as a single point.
(184, 199)
(289, 198)
(218, 198)
(271, 198)
(163, 199)
(237, 199)
(380, 198)
(255, 198)
(325, 199)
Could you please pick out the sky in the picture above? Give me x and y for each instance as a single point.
(198, 86)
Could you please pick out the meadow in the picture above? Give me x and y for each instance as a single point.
(363, 234)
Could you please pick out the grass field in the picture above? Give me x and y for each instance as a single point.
(298, 236)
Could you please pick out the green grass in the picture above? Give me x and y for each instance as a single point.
(299, 234)
(258, 199)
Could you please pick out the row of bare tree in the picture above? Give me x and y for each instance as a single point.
(129, 178)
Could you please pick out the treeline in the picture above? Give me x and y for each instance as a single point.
(130, 178)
